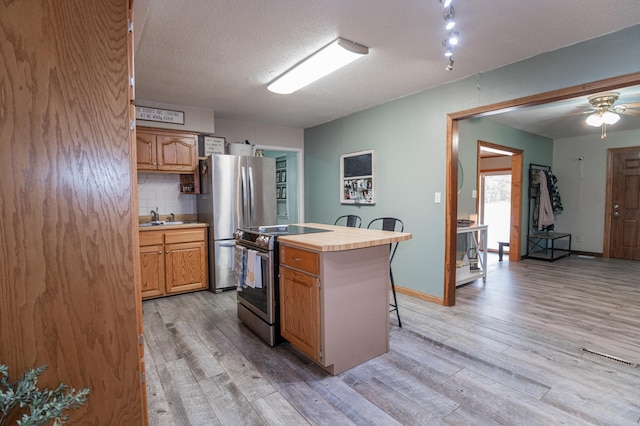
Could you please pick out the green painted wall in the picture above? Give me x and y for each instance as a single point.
(409, 136)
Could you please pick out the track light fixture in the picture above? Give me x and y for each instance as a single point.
(448, 48)
(450, 66)
(453, 37)
(449, 18)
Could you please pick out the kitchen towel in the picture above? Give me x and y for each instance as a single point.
(253, 270)
(241, 262)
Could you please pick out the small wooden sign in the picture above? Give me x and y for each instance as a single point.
(156, 114)
(213, 145)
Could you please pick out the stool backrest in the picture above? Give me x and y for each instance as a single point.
(388, 224)
(350, 220)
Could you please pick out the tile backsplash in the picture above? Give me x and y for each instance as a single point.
(163, 191)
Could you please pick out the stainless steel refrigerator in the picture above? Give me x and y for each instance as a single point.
(235, 192)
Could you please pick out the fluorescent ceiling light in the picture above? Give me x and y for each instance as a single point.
(333, 56)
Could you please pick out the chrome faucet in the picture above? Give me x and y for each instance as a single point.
(173, 217)
(154, 215)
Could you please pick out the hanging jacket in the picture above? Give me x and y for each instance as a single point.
(545, 212)
(554, 193)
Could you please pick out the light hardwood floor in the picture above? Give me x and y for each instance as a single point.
(512, 351)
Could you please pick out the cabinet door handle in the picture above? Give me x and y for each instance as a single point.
(159, 252)
(297, 259)
(167, 252)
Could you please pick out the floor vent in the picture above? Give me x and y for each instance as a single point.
(623, 361)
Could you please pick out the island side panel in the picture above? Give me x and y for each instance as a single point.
(354, 306)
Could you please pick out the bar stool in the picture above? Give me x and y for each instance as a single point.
(350, 220)
(390, 224)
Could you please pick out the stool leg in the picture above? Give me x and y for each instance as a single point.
(395, 299)
(500, 252)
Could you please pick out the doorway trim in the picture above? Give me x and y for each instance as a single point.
(515, 214)
(485, 111)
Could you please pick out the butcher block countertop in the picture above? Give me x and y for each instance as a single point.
(342, 238)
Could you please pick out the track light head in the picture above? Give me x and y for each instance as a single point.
(449, 17)
(450, 66)
(453, 38)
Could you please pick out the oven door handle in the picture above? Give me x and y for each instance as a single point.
(230, 243)
(263, 254)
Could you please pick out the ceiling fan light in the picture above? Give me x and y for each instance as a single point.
(450, 25)
(595, 120)
(446, 3)
(610, 117)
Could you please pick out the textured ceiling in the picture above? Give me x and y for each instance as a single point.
(220, 54)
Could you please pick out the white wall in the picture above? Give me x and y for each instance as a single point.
(195, 119)
(259, 134)
(582, 185)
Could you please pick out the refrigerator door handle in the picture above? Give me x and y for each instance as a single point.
(245, 197)
(252, 201)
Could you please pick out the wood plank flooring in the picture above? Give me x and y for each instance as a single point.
(511, 352)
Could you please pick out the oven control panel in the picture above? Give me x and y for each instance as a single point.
(252, 239)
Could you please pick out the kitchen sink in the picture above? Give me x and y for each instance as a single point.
(163, 223)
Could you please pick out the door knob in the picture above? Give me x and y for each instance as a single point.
(615, 206)
(616, 214)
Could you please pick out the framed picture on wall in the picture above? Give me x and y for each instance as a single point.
(357, 177)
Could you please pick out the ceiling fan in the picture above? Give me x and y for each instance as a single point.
(606, 113)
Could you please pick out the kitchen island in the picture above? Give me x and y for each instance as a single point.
(334, 294)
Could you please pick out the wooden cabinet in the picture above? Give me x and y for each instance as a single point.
(166, 150)
(300, 300)
(334, 306)
(173, 261)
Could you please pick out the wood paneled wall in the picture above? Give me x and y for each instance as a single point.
(67, 211)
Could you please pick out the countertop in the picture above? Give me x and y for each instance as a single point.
(172, 227)
(342, 238)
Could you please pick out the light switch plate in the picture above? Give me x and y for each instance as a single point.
(474, 193)
(438, 197)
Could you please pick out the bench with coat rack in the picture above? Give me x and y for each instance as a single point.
(543, 242)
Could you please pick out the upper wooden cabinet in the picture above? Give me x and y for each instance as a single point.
(166, 150)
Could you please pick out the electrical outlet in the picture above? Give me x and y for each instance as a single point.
(579, 239)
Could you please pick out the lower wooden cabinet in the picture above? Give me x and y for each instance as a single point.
(300, 311)
(173, 261)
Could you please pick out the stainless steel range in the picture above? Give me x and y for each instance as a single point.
(258, 303)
